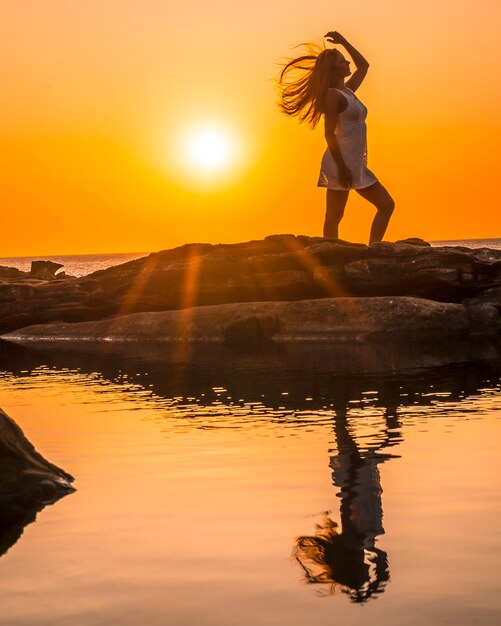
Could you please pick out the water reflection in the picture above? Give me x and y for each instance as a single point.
(349, 559)
(295, 378)
(358, 391)
(14, 517)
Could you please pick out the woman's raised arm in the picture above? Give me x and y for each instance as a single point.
(360, 61)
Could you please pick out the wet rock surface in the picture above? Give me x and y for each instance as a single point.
(280, 268)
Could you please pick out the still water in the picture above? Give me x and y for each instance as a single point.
(302, 485)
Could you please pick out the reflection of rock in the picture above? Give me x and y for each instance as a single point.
(278, 268)
(46, 270)
(327, 319)
(26, 478)
(403, 374)
(13, 519)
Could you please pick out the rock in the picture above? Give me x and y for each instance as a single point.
(251, 332)
(482, 317)
(15, 292)
(415, 241)
(63, 275)
(46, 270)
(490, 296)
(27, 482)
(328, 319)
(11, 272)
(25, 476)
(278, 268)
(277, 285)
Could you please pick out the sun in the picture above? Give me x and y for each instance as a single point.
(206, 154)
(209, 149)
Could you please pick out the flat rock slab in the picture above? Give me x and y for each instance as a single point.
(328, 319)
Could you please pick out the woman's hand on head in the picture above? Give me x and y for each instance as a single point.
(334, 37)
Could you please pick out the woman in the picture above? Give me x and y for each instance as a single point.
(313, 85)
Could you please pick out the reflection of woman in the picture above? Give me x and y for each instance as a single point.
(348, 558)
(313, 85)
(341, 560)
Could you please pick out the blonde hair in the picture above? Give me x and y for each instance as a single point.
(303, 83)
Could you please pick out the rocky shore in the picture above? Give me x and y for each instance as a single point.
(283, 288)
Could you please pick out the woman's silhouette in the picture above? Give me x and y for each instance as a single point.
(313, 85)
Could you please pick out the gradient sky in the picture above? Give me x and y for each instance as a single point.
(98, 96)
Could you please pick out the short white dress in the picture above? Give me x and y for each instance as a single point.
(351, 134)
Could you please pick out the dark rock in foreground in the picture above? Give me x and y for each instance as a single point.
(27, 483)
(280, 268)
(26, 478)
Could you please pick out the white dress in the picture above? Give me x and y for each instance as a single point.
(351, 134)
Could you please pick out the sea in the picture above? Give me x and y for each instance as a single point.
(74, 264)
(293, 485)
(83, 264)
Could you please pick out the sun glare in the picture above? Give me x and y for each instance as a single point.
(209, 149)
(205, 154)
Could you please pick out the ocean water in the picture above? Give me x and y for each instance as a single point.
(75, 264)
(470, 243)
(80, 265)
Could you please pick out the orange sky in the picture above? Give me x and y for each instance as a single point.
(97, 95)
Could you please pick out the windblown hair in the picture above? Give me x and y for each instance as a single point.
(330, 558)
(303, 84)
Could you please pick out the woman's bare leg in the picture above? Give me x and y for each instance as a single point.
(381, 199)
(336, 201)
